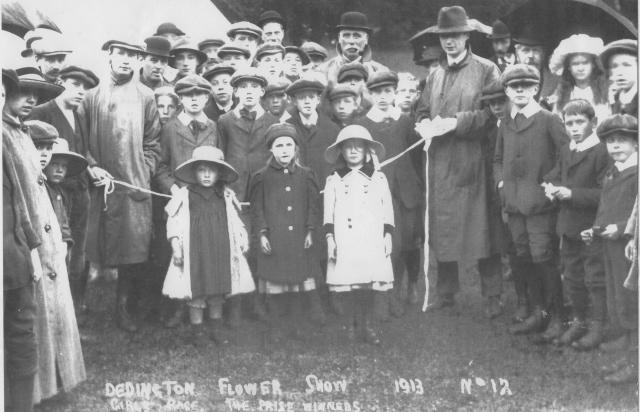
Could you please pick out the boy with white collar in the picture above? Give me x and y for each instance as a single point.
(620, 60)
(575, 183)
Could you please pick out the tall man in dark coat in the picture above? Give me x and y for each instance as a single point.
(458, 200)
(121, 143)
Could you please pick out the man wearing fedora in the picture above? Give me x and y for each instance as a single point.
(354, 35)
(530, 49)
(121, 142)
(155, 59)
(501, 43)
(458, 204)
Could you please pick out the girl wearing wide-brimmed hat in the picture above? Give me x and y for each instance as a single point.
(207, 237)
(358, 219)
(575, 60)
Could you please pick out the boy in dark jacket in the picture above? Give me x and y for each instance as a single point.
(528, 143)
(619, 191)
(575, 184)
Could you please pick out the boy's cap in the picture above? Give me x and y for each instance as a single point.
(314, 49)
(353, 131)
(209, 154)
(623, 46)
(342, 90)
(249, 73)
(297, 50)
(268, 49)
(271, 16)
(493, 90)
(192, 83)
(233, 49)
(277, 86)
(381, 79)
(85, 75)
(31, 78)
(76, 162)
(218, 69)
(521, 73)
(168, 28)
(280, 129)
(121, 44)
(352, 70)
(189, 46)
(618, 124)
(499, 30)
(302, 85)
(244, 27)
(210, 42)
(51, 45)
(157, 46)
(42, 132)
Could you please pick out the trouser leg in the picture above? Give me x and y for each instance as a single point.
(490, 276)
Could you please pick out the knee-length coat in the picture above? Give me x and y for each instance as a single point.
(122, 127)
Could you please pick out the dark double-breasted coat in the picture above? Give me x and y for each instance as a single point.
(285, 204)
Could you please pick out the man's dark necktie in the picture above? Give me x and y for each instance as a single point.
(249, 115)
(195, 127)
(519, 120)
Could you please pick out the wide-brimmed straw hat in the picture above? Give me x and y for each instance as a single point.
(76, 162)
(577, 43)
(208, 154)
(353, 131)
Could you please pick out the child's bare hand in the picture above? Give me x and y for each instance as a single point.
(562, 193)
(265, 245)
(587, 236)
(388, 244)
(610, 232)
(308, 240)
(332, 248)
(630, 251)
(178, 258)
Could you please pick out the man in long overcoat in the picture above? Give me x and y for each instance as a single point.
(122, 126)
(458, 201)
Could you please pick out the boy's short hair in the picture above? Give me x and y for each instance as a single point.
(579, 106)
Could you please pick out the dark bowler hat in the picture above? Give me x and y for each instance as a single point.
(429, 54)
(381, 79)
(10, 78)
(277, 86)
(352, 69)
(168, 28)
(189, 46)
(268, 49)
(271, 16)
(192, 83)
(218, 69)
(210, 42)
(451, 20)
(297, 50)
(76, 162)
(32, 79)
(530, 35)
(121, 44)
(233, 49)
(520, 73)
(42, 132)
(85, 75)
(493, 90)
(157, 46)
(244, 27)
(624, 124)
(354, 20)
(623, 46)
(314, 49)
(278, 130)
(249, 73)
(303, 85)
(342, 90)
(499, 31)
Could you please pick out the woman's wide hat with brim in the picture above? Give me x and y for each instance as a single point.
(207, 154)
(452, 19)
(353, 131)
(32, 79)
(574, 44)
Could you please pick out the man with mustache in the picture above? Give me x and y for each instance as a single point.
(155, 59)
(50, 54)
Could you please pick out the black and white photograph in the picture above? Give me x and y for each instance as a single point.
(320, 205)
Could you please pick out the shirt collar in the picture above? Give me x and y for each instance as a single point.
(457, 60)
(378, 115)
(185, 119)
(586, 144)
(257, 108)
(225, 108)
(309, 121)
(529, 110)
(274, 164)
(630, 162)
(366, 169)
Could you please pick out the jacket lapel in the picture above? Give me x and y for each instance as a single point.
(576, 158)
(184, 132)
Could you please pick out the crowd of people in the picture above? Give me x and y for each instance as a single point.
(241, 172)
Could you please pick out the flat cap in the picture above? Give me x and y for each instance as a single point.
(520, 72)
(277, 86)
(268, 49)
(618, 124)
(244, 27)
(623, 46)
(297, 50)
(51, 45)
(233, 49)
(342, 90)
(351, 70)
(42, 132)
(192, 83)
(85, 75)
(168, 28)
(210, 42)
(218, 69)
(188, 46)
(271, 16)
(314, 49)
(303, 85)
(157, 46)
(382, 78)
(278, 130)
(249, 73)
(121, 44)
(493, 90)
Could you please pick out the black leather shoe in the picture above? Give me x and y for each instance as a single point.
(534, 323)
(577, 329)
(593, 337)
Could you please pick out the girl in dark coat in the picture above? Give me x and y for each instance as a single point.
(285, 205)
